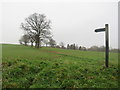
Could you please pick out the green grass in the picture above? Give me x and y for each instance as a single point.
(27, 67)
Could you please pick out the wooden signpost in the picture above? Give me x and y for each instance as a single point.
(106, 42)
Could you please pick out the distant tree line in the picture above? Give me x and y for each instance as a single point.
(76, 47)
(83, 48)
(102, 49)
(96, 48)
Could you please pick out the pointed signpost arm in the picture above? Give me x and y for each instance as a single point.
(100, 30)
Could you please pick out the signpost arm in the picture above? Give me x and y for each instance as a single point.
(107, 45)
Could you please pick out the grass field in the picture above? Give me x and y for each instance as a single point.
(27, 67)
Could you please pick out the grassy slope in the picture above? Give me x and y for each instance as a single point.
(57, 68)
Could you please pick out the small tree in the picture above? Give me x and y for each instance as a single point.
(84, 48)
(57, 46)
(76, 47)
(20, 41)
(68, 47)
(46, 42)
(62, 45)
(52, 42)
(72, 46)
(80, 48)
(25, 39)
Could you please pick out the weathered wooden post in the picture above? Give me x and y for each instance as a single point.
(106, 42)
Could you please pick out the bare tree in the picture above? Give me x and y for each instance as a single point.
(20, 41)
(46, 42)
(52, 42)
(38, 25)
(84, 48)
(72, 46)
(62, 45)
(24, 39)
(57, 46)
(80, 48)
(76, 47)
(68, 46)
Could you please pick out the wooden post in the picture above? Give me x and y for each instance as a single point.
(107, 45)
(106, 42)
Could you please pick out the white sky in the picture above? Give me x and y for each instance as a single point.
(72, 21)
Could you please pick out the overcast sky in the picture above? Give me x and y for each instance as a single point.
(72, 22)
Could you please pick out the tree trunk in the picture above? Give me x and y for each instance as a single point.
(31, 44)
(25, 44)
(38, 41)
